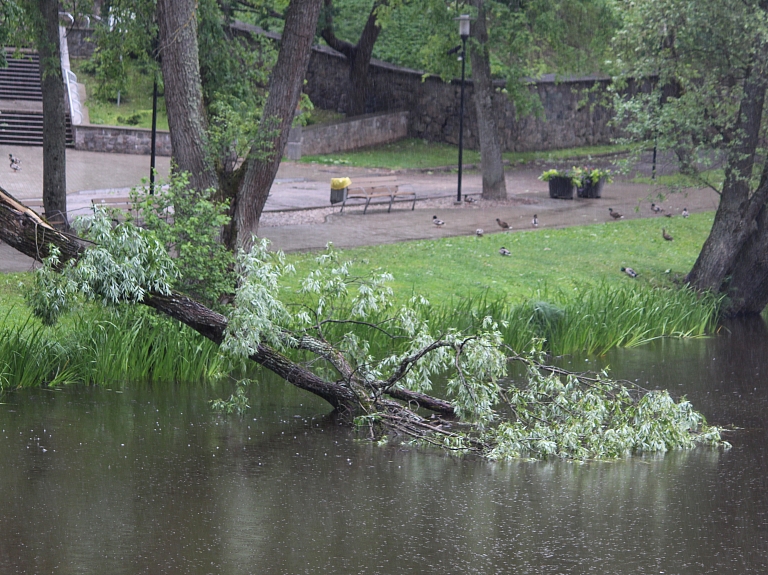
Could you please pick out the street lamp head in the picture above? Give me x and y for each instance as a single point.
(463, 26)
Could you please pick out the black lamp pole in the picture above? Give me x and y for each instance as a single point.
(464, 33)
(154, 138)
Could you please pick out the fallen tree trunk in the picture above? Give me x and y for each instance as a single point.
(24, 230)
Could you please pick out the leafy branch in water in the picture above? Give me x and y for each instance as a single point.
(460, 376)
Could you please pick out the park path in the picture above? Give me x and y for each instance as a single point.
(306, 187)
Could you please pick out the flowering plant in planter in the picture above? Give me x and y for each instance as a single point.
(585, 176)
(552, 174)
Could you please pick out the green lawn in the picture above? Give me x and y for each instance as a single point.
(469, 267)
(135, 107)
(419, 154)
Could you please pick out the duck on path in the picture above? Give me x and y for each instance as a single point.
(685, 212)
(656, 209)
(437, 221)
(615, 215)
(502, 225)
(535, 221)
(479, 232)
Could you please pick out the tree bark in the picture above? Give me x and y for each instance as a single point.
(187, 121)
(45, 17)
(735, 220)
(748, 285)
(285, 86)
(358, 56)
(492, 166)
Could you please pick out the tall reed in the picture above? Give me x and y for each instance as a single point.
(592, 319)
(107, 348)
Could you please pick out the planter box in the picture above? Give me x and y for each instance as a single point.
(561, 188)
(591, 190)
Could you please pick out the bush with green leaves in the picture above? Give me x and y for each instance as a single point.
(188, 224)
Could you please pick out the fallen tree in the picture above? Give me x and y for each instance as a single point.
(554, 413)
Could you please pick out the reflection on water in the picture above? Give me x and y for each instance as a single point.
(150, 481)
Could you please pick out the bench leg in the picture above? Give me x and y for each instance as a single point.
(391, 199)
(413, 206)
(368, 201)
(343, 203)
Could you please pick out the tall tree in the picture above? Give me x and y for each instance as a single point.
(187, 120)
(213, 116)
(494, 184)
(42, 17)
(358, 55)
(715, 54)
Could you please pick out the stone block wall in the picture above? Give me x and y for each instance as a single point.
(121, 140)
(353, 134)
(571, 114)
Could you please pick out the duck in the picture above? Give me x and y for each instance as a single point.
(656, 209)
(665, 235)
(437, 221)
(615, 215)
(469, 199)
(685, 212)
(629, 271)
(504, 251)
(535, 221)
(15, 163)
(502, 225)
(479, 232)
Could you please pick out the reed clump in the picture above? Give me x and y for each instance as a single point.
(104, 347)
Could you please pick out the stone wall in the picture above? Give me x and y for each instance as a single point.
(570, 115)
(360, 132)
(79, 42)
(120, 140)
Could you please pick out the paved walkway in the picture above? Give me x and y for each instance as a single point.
(299, 186)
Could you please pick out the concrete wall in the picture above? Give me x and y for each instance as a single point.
(120, 140)
(350, 134)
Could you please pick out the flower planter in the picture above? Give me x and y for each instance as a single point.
(561, 188)
(590, 190)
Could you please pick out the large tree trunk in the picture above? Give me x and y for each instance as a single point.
(45, 15)
(747, 287)
(358, 56)
(285, 87)
(492, 166)
(736, 215)
(187, 121)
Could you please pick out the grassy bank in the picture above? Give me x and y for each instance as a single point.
(451, 269)
(561, 285)
(419, 154)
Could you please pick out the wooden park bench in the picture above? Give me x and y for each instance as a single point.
(377, 187)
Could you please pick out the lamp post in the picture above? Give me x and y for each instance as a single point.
(464, 33)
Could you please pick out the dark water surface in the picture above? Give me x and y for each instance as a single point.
(150, 481)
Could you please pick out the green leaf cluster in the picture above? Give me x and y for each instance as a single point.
(188, 224)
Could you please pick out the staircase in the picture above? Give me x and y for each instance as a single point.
(21, 102)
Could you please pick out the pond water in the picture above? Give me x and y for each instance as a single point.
(143, 480)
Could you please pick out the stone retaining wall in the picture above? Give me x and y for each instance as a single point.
(571, 113)
(352, 134)
(120, 140)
